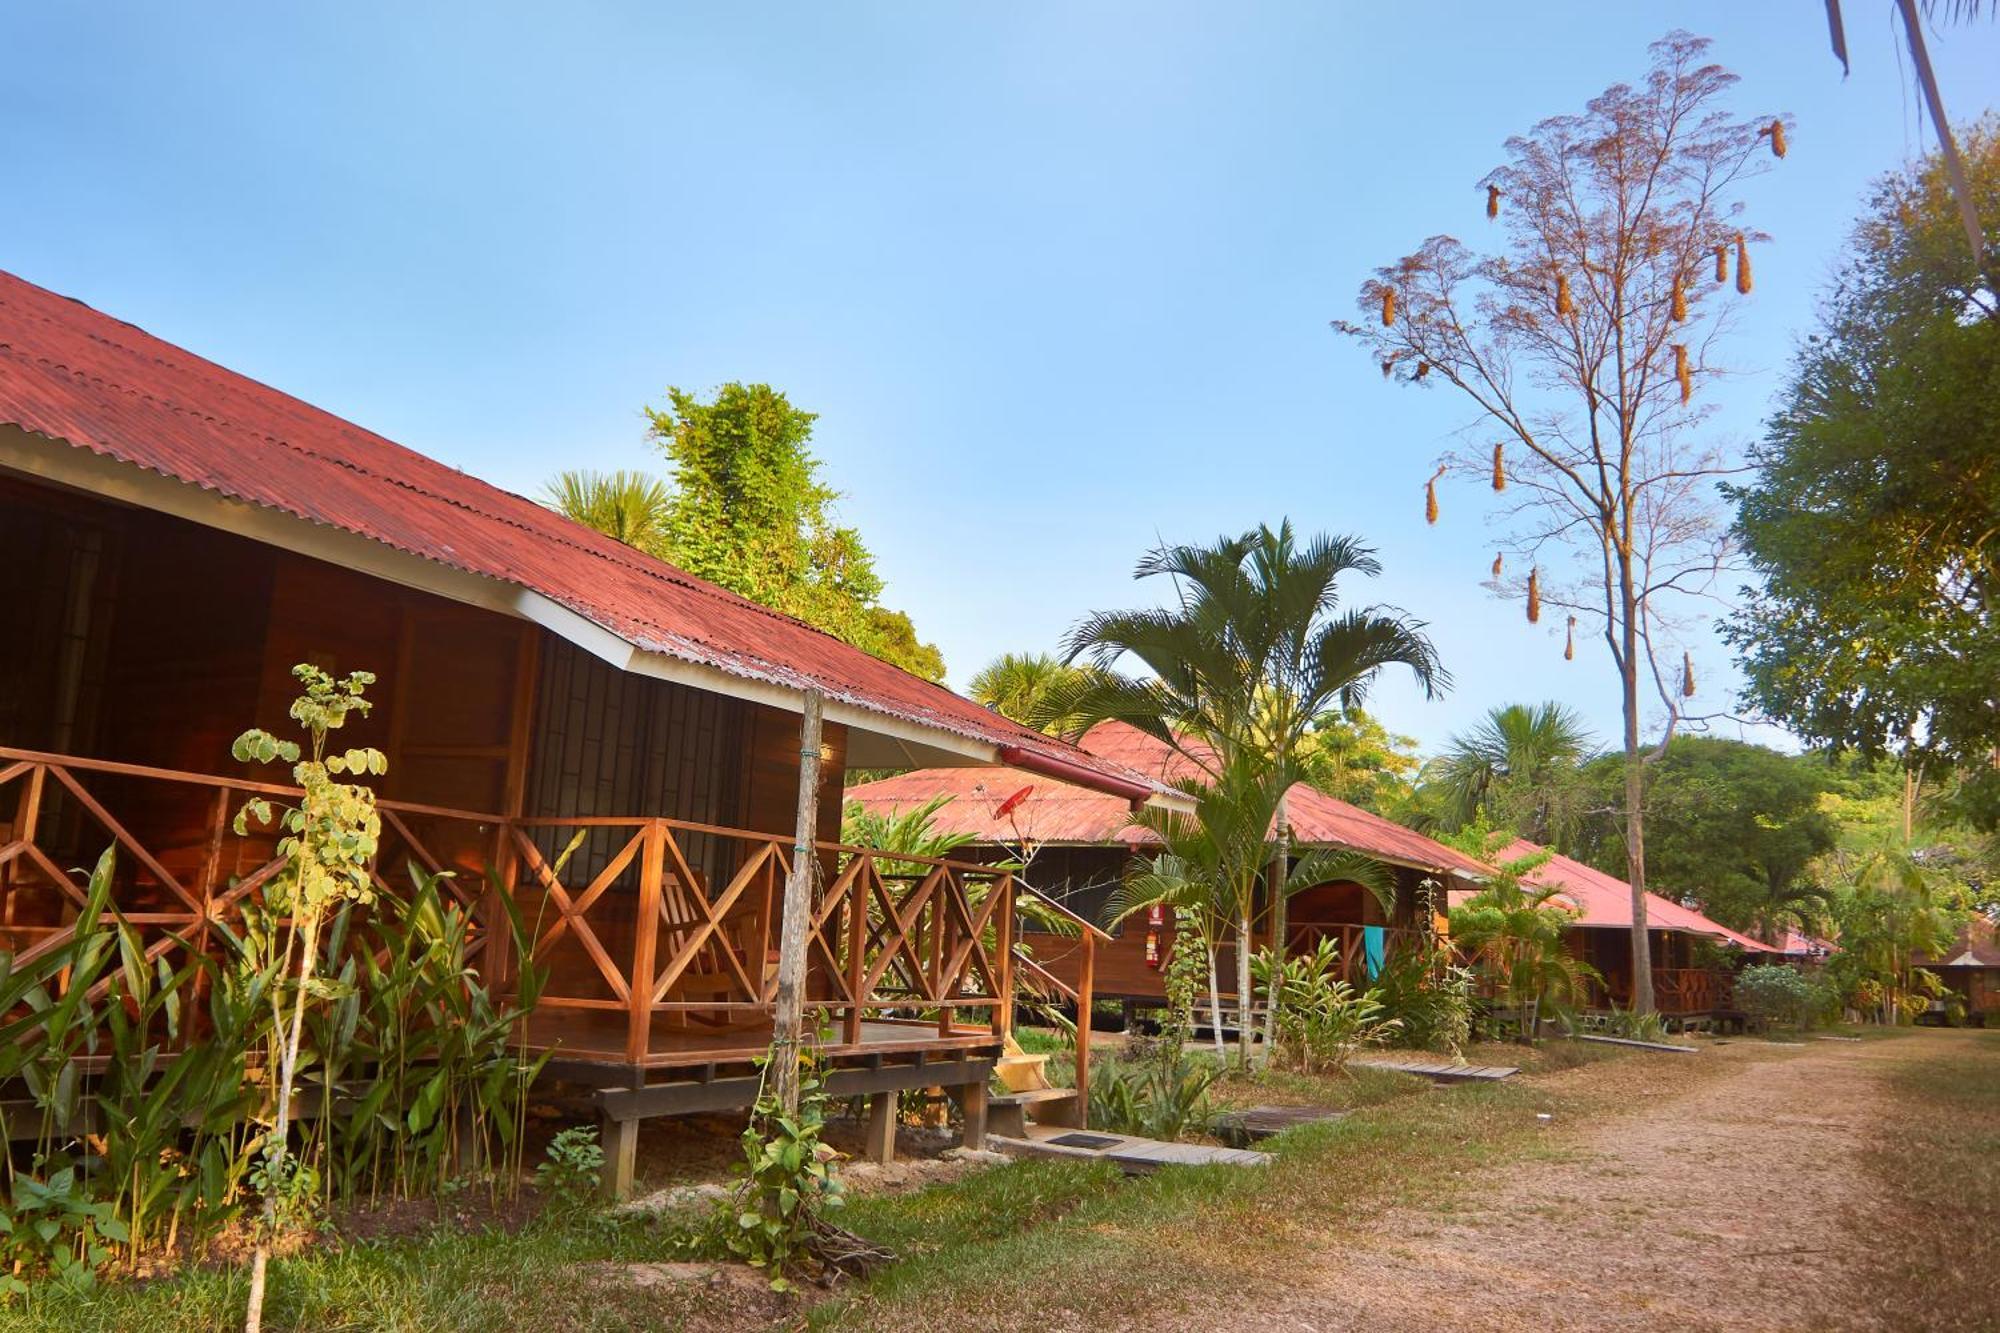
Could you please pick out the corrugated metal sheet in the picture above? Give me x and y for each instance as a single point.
(1055, 812)
(92, 382)
(1606, 901)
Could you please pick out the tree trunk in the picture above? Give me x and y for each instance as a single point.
(1214, 1003)
(790, 1015)
(1246, 1027)
(1635, 811)
(1281, 869)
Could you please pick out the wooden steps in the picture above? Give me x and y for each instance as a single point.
(1438, 1070)
(1007, 1112)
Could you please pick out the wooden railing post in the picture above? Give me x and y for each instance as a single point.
(645, 940)
(1003, 1009)
(941, 985)
(1085, 982)
(857, 944)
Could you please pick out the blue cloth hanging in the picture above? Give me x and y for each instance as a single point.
(1374, 949)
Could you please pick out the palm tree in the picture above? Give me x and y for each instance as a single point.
(628, 506)
(1255, 647)
(1517, 767)
(1016, 685)
(1514, 935)
(1920, 59)
(1209, 868)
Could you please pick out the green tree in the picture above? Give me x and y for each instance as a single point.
(1872, 513)
(1352, 757)
(747, 510)
(1254, 649)
(1513, 933)
(1736, 827)
(1520, 770)
(1019, 685)
(629, 506)
(1209, 869)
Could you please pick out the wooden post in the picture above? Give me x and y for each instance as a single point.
(621, 1156)
(790, 1015)
(1086, 978)
(645, 939)
(857, 946)
(1003, 1010)
(879, 1142)
(972, 1104)
(499, 962)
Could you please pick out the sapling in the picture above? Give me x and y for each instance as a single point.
(329, 844)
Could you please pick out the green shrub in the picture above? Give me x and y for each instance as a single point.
(1429, 997)
(1322, 1020)
(1777, 995)
(572, 1167)
(1152, 1100)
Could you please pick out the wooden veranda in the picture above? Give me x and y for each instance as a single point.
(659, 977)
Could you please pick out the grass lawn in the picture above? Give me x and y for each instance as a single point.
(1935, 1246)
(1050, 1243)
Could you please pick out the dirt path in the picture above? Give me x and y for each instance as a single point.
(1727, 1207)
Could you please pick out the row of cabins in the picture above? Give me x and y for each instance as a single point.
(1075, 846)
(174, 537)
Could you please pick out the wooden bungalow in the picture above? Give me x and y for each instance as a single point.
(1970, 970)
(174, 537)
(1683, 988)
(1078, 843)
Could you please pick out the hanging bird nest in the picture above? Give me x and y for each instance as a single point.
(1423, 369)
(1722, 263)
(1388, 367)
(1499, 467)
(1498, 562)
(1569, 641)
(1535, 596)
(1742, 266)
(1680, 306)
(1687, 675)
(1431, 496)
(1493, 201)
(1682, 373)
(1777, 133)
(1388, 306)
(1564, 305)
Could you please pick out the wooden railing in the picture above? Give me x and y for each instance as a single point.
(1676, 991)
(1039, 980)
(1303, 936)
(663, 927)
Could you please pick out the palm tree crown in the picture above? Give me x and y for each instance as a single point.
(631, 507)
(1516, 767)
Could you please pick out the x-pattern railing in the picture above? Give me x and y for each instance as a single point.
(890, 935)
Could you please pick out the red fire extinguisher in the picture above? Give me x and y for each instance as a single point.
(1156, 917)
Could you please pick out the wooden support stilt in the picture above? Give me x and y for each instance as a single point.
(879, 1142)
(621, 1156)
(972, 1105)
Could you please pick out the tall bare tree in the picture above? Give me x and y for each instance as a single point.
(1582, 339)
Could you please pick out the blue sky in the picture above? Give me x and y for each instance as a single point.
(1057, 277)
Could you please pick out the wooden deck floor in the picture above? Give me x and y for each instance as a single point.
(599, 1038)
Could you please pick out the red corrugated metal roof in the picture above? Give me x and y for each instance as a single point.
(1606, 901)
(1054, 812)
(77, 376)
